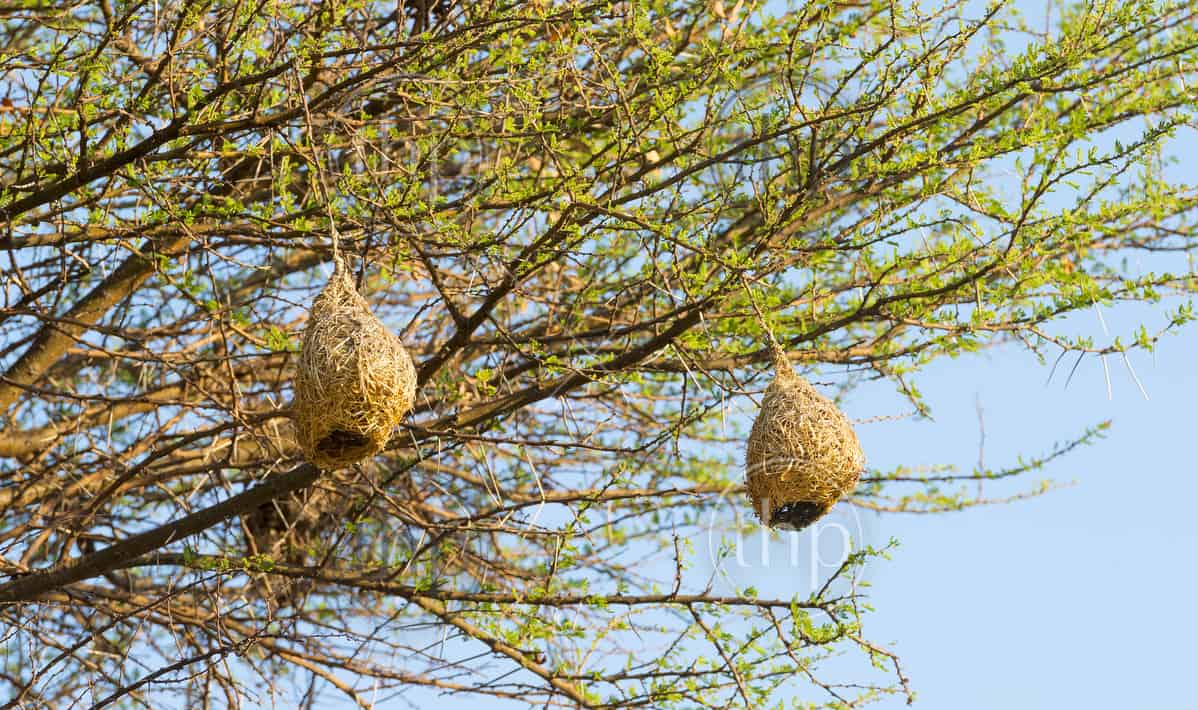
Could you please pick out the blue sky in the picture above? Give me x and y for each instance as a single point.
(1080, 598)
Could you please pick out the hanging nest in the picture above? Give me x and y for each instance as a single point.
(355, 379)
(802, 456)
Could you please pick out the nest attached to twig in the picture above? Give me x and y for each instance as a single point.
(355, 380)
(802, 456)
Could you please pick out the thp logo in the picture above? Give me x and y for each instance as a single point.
(745, 552)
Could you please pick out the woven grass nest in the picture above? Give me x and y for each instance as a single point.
(802, 456)
(355, 380)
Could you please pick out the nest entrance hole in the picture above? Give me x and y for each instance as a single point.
(796, 516)
(339, 444)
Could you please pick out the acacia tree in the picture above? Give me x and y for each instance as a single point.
(568, 212)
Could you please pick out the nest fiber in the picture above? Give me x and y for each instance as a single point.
(802, 456)
(355, 379)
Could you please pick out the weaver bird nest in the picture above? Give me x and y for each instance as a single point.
(355, 380)
(802, 456)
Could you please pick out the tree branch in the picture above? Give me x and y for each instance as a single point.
(80, 568)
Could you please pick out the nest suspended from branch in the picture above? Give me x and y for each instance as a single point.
(802, 456)
(355, 379)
